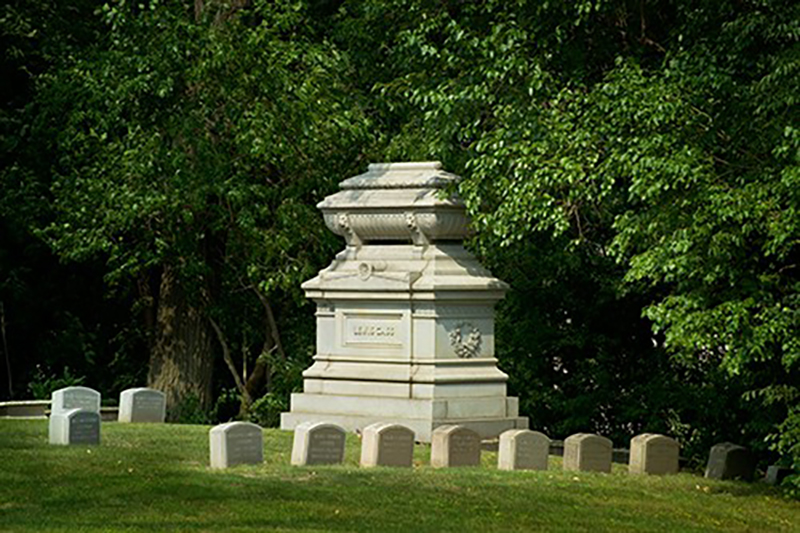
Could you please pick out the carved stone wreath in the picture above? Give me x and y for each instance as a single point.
(469, 347)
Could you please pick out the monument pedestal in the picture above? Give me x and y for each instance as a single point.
(405, 315)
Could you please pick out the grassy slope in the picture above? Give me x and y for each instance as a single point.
(156, 478)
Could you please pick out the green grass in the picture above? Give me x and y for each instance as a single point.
(156, 478)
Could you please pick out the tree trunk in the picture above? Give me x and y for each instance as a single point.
(181, 359)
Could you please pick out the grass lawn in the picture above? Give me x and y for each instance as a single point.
(156, 478)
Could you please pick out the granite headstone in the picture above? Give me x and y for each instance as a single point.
(236, 443)
(454, 445)
(587, 452)
(318, 443)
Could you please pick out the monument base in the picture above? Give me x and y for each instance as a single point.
(486, 416)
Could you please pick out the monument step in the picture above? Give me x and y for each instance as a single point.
(487, 428)
(451, 409)
(379, 372)
(403, 390)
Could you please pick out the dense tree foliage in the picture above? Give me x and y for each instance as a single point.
(631, 167)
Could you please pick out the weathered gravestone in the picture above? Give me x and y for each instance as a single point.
(76, 426)
(653, 454)
(75, 398)
(236, 443)
(142, 405)
(318, 443)
(522, 449)
(453, 445)
(587, 452)
(387, 445)
(776, 474)
(730, 461)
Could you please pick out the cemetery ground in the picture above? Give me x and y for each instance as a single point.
(156, 478)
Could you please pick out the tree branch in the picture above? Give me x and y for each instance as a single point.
(226, 355)
(271, 324)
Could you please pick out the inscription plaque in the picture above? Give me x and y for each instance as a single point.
(318, 443)
(373, 329)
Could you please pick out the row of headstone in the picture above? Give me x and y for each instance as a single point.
(75, 419)
(75, 412)
(453, 446)
(386, 444)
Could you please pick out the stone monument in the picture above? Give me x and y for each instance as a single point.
(405, 315)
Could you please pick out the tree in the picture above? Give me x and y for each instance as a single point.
(192, 147)
(655, 141)
(55, 324)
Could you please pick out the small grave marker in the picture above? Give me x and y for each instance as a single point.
(523, 449)
(653, 454)
(730, 461)
(236, 443)
(76, 426)
(453, 445)
(387, 445)
(318, 443)
(75, 398)
(587, 452)
(142, 405)
(776, 474)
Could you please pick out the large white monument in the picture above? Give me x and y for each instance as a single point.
(405, 315)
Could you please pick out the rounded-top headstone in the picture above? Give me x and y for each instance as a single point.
(318, 443)
(74, 426)
(236, 443)
(523, 449)
(453, 445)
(142, 405)
(653, 454)
(730, 461)
(385, 444)
(75, 398)
(587, 452)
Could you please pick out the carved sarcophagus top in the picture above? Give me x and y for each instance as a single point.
(403, 223)
(397, 202)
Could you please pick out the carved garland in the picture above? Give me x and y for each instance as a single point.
(469, 347)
